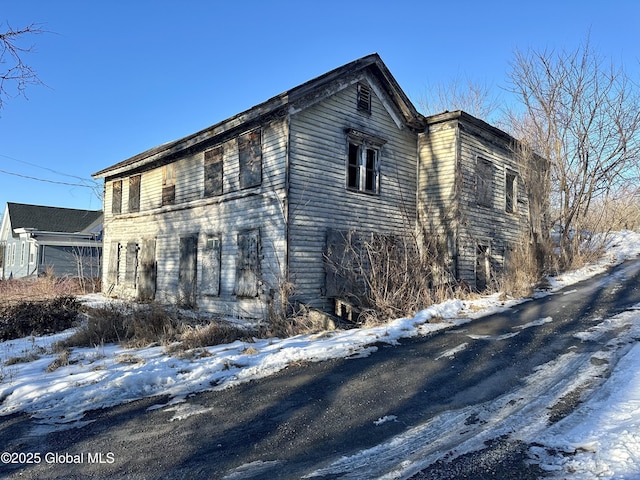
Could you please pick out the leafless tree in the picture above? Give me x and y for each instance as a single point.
(582, 113)
(475, 98)
(15, 74)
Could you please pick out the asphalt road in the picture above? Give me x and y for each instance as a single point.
(308, 418)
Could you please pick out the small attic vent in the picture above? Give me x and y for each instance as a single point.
(364, 98)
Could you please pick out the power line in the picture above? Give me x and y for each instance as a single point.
(49, 181)
(41, 167)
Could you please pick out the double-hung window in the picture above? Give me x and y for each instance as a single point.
(363, 162)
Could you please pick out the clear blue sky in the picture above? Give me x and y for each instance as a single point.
(125, 76)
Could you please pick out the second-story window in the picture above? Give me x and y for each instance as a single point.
(213, 172)
(363, 162)
(250, 158)
(116, 197)
(169, 184)
(511, 192)
(134, 193)
(484, 183)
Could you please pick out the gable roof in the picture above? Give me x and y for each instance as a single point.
(274, 107)
(52, 219)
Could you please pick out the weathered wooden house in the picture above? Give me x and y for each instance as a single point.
(38, 239)
(223, 218)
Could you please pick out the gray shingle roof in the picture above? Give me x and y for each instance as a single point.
(52, 219)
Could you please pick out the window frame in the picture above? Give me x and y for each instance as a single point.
(250, 159)
(213, 166)
(248, 264)
(363, 162)
(484, 182)
(510, 191)
(116, 197)
(211, 265)
(135, 188)
(169, 184)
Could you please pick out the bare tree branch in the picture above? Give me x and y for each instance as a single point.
(15, 74)
(473, 97)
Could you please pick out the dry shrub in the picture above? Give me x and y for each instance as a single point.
(215, 333)
(292, 319)
(386, 276)
(44, 317)
(106, 324)
(523, 271)
(133, 326)
(148, 324)
(43, 288)
(62, 360)
(151, 323)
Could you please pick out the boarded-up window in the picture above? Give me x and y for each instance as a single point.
(114, 261)
(248, 264)
(364, 98)
(511, 192)
(336, 257)
(116, 197)
(213, 172)
(210, 280)
(131, 269)
(250, 158)
(484, 183)
(169, 184)
(187, 271)
(147, 277)
(134, 193)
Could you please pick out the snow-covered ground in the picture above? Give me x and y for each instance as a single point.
(606, 445)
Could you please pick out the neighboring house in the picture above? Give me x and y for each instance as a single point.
(223, 218)
(38, 239)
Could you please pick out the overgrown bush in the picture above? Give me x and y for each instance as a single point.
(120, 323)
(18, 320)
(146, 324)
(45, 287)
(387, 276)
(215, 333)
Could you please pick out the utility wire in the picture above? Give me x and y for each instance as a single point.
(49, 181)
(41, 167)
